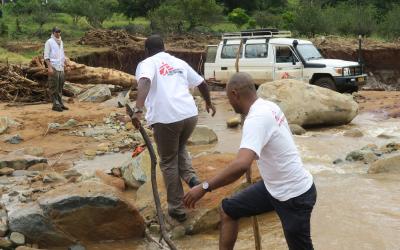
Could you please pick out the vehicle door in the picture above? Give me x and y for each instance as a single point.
(227, 59)
(287, 65)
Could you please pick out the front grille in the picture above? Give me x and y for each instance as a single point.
(356, 70)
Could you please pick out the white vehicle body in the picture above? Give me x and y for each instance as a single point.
(270, 55)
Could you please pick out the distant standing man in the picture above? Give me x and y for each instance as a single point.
(163, 87)
(286, 186)
(55, 59)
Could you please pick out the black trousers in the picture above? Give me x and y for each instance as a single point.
(295, 213)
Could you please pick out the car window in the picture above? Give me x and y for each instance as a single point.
(211, 54)
(230, 51)
(256, 50)
(284, 54)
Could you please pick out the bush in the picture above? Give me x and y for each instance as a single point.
(309, 20)
(390, 27)
(239, 17)
(264, 19)
(166, 19)
(3, 29)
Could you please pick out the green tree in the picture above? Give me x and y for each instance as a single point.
(309, 20)
(265, 19)
(136, 8)
(73, 8)
(96, 12)
(185, 14)
(239, 17)
(390, 27)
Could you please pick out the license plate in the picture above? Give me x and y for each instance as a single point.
(360, 79)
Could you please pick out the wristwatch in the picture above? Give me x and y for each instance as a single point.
(138, 110)
(206, 186)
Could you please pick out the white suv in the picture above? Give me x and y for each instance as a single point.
(269, 54)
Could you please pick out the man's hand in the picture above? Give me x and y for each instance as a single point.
(136, 120)
(210, 106)
(50, 71)
(194, 195)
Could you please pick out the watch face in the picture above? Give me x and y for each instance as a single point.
(205, 185)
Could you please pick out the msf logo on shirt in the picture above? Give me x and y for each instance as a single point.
(167, 70)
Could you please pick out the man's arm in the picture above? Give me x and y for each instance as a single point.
(143, 90)
(46, 56)
(227, 176)
(203, 88)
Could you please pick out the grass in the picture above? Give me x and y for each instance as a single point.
(14, 58)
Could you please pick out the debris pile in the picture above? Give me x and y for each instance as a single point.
(100, 38)
(15, 87)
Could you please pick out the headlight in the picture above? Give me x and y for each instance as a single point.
(339, 71)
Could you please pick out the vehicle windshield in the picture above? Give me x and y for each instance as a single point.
(309, 52)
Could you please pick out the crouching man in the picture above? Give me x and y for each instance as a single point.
(286, 186)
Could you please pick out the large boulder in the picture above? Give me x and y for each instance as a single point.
(99, 93)
(305, 104)
(85, 212)
(202, 135)
(389, 164)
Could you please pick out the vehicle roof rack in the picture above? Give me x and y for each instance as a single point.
(257, 33)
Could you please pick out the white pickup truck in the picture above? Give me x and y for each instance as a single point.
(270, 54)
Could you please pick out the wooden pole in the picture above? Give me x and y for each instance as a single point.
(256, 229)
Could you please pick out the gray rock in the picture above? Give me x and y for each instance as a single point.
(70, 123)
(353, 133)
(297, 129)
(202, 135)
(389, 164)
(19, 173)
(17, 238)
(76, 247)
(357, 155)
(306, 104)
(133, 172)
(202, 220)
(337, 161)
(87, 212)
(69, 173)
(20, 162)
(98, 93)
(72, 88)
(13, 139)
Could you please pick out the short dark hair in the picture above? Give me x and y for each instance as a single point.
(154, 44)
(56, 30)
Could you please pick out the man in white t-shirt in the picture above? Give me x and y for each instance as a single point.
(163, 88)
(286, 186)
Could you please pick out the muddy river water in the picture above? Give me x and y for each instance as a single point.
(354, 210)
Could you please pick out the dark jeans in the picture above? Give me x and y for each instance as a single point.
(175, 162)
(295, 213)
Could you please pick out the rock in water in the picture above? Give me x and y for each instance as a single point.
(87, 212)
(297, 129)
(233, 122)
(390, 164)
(202, 135)
(306, 104)
(99, 93)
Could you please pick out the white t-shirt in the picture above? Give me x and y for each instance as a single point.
(169, 99)
(267, 133)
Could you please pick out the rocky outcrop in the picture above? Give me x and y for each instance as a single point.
(85, 212)
(202, 135)
(308, 105)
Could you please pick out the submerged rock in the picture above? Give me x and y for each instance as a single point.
(297, 129)
(202, 135)
(389, 164)
(306, 104)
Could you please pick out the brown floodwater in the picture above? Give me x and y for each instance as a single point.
(354, 210)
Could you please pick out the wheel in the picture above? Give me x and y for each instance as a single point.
(326, 82)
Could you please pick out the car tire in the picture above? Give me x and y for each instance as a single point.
(326, 82)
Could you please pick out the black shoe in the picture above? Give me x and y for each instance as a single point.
(178, 217)
(64, 107)
(194, 182)
(57, 108)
